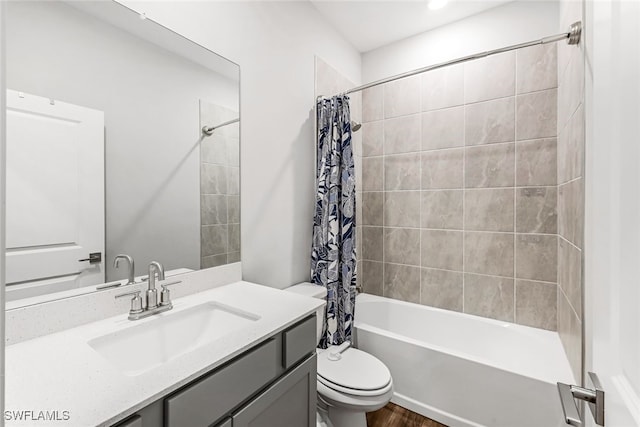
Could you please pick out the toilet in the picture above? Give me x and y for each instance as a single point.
(350, 382)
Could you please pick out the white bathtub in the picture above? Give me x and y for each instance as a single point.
(464, 370)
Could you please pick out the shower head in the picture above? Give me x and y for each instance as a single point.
(355, 126)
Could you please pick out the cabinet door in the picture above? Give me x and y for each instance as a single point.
(290, 402)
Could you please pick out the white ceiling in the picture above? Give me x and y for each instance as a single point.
(372, 24)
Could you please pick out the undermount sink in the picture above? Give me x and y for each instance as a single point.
(140, 348)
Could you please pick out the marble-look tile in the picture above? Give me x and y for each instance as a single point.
(372, 104)
(213, 149)
(571, 87)
(441, 288)
(402, 209)
(489, 209)
(571, 148)
(329, 81)
(443, 169)
(372, 174)
(489, 78)
(536, 162)
(490, 122)
(213, 240)
(536, 304)
(233, 151)
(359, 207)
(372, 277)
(234, 238)
(213, 261)
(213, 209)
(355, 104)
(234, 180)
(570, 332)
(402, 134)
(443, 128)
(489, 296)
(372, 138)
(489, 253)
(402, 282)
(402, 246)
(372, 208)
(537, 68)
(570, 274)
(233, 209)
(536, 115)
(233, 257)
(402, 172)
(441, 249)
(402, 97)
(536, 210)
(442, 209)
(372, 242)
(490, 166)
(213, 179)
(537, 257)
(571, 211)
(570, 12)
(443, 88)
(359, 237)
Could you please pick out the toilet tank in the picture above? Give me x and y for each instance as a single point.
(314, 291)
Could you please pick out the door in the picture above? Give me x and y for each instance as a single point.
(612, 191)
(55, 195)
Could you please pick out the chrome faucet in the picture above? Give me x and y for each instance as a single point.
(130, 264)
(152, 293)
(137, 311)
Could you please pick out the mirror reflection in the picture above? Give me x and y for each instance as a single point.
(106, 151)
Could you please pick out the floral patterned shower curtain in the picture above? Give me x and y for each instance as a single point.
(333, 255)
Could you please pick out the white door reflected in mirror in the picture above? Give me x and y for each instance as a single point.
(55, 195)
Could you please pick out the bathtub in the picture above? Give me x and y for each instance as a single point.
(464, 370)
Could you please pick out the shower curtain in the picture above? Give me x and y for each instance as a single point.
(333, 255)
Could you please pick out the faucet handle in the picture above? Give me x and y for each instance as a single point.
(136, 301)
(165, 296)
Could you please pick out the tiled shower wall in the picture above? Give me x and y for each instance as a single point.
(219, 187)
(460, 187)
(570, 189)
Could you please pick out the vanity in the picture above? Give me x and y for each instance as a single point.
(245, 357)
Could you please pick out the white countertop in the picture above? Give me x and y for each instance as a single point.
(62, 372)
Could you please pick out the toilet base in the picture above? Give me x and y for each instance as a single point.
(341, 417)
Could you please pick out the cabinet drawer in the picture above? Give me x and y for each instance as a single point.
(208, 400)
(298, 341)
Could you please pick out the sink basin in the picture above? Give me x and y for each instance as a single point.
(143, 347)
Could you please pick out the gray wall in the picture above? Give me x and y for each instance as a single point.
(150, 98)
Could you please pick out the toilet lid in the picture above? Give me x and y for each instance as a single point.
(356, 370)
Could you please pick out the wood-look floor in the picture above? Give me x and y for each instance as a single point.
(397, 416)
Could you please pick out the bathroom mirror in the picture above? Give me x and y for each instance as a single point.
(105, 149)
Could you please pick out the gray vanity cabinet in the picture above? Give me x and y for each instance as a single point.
(291, 401)
(272, 384)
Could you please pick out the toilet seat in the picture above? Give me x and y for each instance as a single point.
(356, 373)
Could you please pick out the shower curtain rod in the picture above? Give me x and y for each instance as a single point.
(572, 37)
(208, 130)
